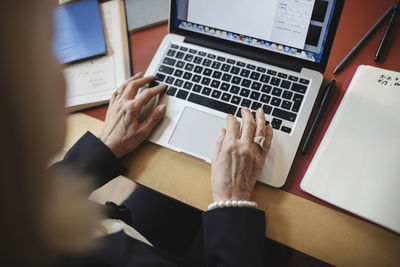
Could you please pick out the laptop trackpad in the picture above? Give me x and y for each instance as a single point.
(197, 132)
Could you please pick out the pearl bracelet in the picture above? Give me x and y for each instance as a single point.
(232, 203)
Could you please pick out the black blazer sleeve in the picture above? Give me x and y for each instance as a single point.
(90, 156)
(234, 237)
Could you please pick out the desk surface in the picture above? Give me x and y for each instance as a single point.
(292, 219)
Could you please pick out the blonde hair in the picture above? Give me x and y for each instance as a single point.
(42, 214)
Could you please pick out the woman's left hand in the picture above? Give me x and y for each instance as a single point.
(123, 132)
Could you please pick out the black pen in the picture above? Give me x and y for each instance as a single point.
(382, 45)
(324, 103)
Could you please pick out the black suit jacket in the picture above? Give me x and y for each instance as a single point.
(231, 236)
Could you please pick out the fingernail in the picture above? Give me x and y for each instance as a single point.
(260, 110)
(162, 109)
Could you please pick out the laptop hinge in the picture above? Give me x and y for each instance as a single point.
(231, 49)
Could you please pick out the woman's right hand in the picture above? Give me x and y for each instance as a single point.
(238, 161)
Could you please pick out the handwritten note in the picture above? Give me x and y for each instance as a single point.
(389, 80)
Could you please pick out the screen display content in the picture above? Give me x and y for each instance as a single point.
(297, 28)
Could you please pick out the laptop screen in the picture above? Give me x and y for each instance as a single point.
(297, 28)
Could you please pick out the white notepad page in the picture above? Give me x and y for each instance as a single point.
(357, 165)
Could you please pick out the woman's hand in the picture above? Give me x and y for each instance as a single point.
(238, 161)
(123, 132)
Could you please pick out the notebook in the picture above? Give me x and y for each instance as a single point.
(92, 82)
(143, 14)
(356, 166)
(259, 54)
(79, 31)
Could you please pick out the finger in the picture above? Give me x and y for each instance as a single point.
(248, 126)
(218, 146)
(125, 85)
(134, 85)
(153, 119)
(232, 128)
(148, 94)
(268, 138)
(260, 121)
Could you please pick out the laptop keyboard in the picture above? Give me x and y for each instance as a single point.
(227, 85)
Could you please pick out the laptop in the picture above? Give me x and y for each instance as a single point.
(220, 56)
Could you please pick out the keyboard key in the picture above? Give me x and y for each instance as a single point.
(221, 59)
(266, 122)
(251, 67)
(286, 104)
(217, 74)
(198, 60)
(283, 114)
(165, 69)
(235, 70)
(286, 129)
(275, 81)
(212, 56)
(235, 89)
(285, 84)
(171, 91)
(245, 73)
(187, 76)
(216, 65)
(203, 54)
(245, 92)
(236, 100)
(225, 67)
(169, 61)
(160, 77)
(256, 86)
(180, 64)
(207, 72)
(267, 109)
(205, 81)
(226, 97)
(196, 78)
(206, 91)
(178, 83)
(282, 75)
(215, 84)
(240, 64)
(236, 80)
(231, 61)
(198, 69)
(211, 103)
(276, 102)
(255, 95)
(297, 99)
(276, 123)
(174, 46)
(266, 89)
(262, 70)
(255, 76)
(299, 88)
(189, 67)
(188, 85)
(182, 94)
(171, 52)
(256, 105)
(304, 81)
(225, 86)
(287, 95)
(265, 78)
(293, 78)
(207, 62)
(180, 55)
(271, 72)
(265, 98)
(216, 94)
(246, 83)
(277, 91)
(170, 80)
(239, 113)
(178, 73)
(197, 88)
(189, 57)
(245, 103)
(226, 77)
(183, 49)
(192, 51)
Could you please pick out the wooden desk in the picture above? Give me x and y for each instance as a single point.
(292, 219)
